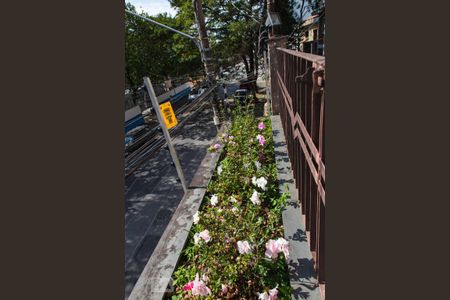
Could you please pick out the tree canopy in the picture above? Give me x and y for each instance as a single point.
(235, 28)
(154, 51)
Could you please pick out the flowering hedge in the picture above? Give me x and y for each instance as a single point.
(235, 249)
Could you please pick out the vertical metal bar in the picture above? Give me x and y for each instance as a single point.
(309, 177)
(305, 169)
(173, 153)
(321, 206)
(315, 128)
(321, 245)
(295, 166)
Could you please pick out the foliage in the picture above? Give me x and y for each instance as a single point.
(236, 218)
(154, 51)
(236, 27)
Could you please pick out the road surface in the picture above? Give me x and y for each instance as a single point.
(152, 193)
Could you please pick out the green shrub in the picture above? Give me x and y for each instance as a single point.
(239, 215)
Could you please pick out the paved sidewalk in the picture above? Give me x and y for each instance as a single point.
(300, 263)
(153, 193)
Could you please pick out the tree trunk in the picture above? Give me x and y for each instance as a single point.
(251, 75)
(247, 70)
(256, 64)
(251, 58)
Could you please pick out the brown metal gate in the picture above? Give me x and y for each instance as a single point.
(299, 84)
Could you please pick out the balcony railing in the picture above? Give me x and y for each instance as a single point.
(299, 85)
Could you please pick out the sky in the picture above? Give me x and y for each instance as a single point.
(152, 7)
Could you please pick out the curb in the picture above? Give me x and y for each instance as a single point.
(155, 279)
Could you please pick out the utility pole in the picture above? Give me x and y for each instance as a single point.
(210, 68)
(274, 42)
(204, 41)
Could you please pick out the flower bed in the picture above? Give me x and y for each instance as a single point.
(235, 249)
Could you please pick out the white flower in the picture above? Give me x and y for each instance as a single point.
(219, 169)
(257, 165)
(196, 238)
(235, 209)
(219, 210)
(255, 198)
(273, 294)
(260, 182)
(283, 246)
(205, 235)
(214, 200)
(246, 166)
(244, 247)
(196, 218)
(202, 235)
(263, 296)
(232, 199)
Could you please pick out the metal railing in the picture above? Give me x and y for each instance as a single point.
(300, 86)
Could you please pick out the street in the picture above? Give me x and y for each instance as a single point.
(152, 193)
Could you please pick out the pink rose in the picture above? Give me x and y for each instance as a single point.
(224, 289)
(261, 139)
(198, 287)
(272, 249)
(244, 247)
(188, 286)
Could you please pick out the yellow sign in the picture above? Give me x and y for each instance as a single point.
(169, 116)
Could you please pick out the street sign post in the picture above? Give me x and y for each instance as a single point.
(162, 122)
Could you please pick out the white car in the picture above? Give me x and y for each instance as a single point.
(194, 95)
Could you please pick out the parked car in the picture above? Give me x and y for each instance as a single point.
(132, 137)
(195, 94)
(192, 96)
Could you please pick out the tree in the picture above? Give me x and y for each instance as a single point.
(154, 51)
(234, 28)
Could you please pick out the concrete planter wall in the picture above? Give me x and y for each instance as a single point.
(155, 280)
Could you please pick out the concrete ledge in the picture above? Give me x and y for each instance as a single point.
(155, 278)
(300, 263)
